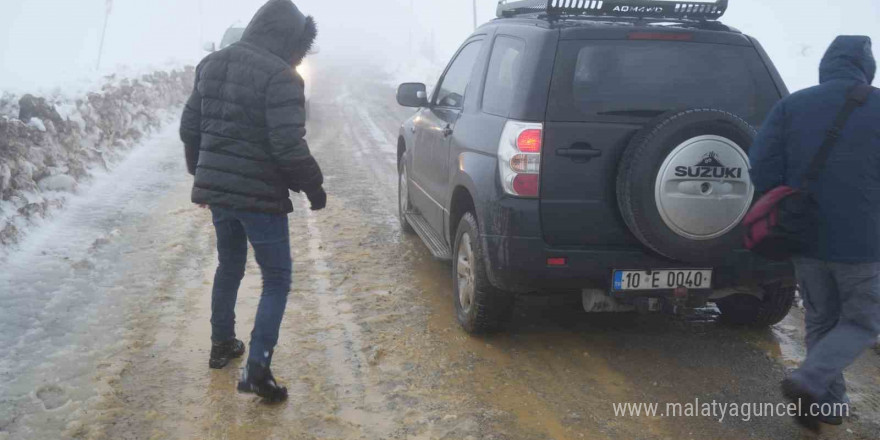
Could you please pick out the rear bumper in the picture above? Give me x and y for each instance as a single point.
(519, 264)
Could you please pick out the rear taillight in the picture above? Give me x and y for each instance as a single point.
(529, 141)
(526, 163)
(519, 158)
(526, 184)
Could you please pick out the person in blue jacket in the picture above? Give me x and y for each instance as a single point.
(839, 278)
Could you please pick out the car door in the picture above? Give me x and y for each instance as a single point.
(436, 124)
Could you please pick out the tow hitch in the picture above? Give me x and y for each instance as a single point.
(682, 303)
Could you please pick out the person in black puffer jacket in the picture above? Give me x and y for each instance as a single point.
(243, 129)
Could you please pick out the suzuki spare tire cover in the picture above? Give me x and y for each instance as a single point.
(683, 184)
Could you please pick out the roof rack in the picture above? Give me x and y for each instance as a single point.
(668, 9)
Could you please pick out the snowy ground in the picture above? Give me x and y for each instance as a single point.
(104, 324)
(69, 289)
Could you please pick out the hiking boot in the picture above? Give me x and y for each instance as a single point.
(797, 394)
(257, 379)
(839, 413)
(831, 420)
(223, 352)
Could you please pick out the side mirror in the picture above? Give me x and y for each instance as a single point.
(412, 95)
(209, 47)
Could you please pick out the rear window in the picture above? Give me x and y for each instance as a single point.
(645, 78)
(503, 77)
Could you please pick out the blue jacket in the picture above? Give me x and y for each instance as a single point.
(848, 192)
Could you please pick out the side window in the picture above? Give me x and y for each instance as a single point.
(503, 76)
(452, 88)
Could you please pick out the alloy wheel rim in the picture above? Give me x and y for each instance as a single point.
(403, 199)
(464, 268)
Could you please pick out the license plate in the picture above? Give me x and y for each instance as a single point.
(664, 279)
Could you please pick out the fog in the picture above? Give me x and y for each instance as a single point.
(51, 43)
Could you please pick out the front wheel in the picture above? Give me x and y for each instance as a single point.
(742, 309)
(479, 306)
(403, 197)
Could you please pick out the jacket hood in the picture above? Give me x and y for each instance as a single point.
(282, 29)
(849, 58)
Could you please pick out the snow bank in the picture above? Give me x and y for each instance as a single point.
(49, 144)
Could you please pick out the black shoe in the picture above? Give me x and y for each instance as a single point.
(223, 352)
(831, 420)
(797, 394)
(257, 379)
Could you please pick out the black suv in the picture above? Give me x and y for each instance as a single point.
(599, 146)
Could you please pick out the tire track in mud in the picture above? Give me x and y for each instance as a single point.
(357, 398)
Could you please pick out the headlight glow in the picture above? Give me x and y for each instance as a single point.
(303, 71)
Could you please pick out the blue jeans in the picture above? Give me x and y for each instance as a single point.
(842, 320)
(270, 238)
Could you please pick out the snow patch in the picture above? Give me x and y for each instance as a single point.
(37, 123)
(51, 144)
(61, 182)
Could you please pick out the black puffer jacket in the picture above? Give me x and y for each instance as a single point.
(244, 125)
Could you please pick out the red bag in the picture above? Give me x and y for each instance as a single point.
(782, 223)
(772, 227)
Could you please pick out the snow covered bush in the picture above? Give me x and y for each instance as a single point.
(48, 145)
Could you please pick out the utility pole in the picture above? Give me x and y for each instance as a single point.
(109, 9)
(475, 14)
(412, 19)
(201, 24)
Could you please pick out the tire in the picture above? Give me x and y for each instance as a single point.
(479, 306)
(403, 200)
(748, 310)
(695, 216)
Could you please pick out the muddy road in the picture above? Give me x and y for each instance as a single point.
(369, 346)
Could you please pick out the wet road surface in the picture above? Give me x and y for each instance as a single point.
(369, 346)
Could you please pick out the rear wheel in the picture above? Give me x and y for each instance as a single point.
(479, 306)
(403, 197)
(745, 309)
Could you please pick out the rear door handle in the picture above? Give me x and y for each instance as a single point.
(579, 154)
(447, 131)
